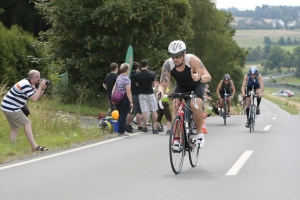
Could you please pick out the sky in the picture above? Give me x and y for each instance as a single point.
(251, 4)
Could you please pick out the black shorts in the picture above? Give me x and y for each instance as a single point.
(248, 90)
(198, 89)
(136, 104)
(166, 111)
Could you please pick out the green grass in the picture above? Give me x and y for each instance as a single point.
(254, 38)
(54, 125)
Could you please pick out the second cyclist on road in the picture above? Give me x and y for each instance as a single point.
(225, 86)
(252, 79)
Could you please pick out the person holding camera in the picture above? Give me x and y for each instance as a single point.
(16, 98)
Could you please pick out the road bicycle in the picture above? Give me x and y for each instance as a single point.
(252, 110)
(184, 129)
(225, 107)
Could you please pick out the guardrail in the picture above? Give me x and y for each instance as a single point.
(292, 87)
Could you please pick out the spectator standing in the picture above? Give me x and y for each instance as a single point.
(123, 84)
(15, 100)
(108, 84)
(145, 81)
(135, 97)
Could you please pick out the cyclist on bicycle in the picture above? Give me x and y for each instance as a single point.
(190, 75)
(225, 86)
(252, 79)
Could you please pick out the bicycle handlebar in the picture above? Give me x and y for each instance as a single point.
(185, 96)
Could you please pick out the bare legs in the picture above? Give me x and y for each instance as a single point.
(28, 133)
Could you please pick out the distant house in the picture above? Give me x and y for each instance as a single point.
(277, 23)
(291, 24)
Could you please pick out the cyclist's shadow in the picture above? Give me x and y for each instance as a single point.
(193, 173)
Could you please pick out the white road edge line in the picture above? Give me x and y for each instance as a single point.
(267, 128)
(234, 170)
(65, 152)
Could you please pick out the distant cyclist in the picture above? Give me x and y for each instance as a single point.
(190, 75)
(253, 78)
(225, 86)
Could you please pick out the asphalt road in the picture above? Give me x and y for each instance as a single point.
(234, 164)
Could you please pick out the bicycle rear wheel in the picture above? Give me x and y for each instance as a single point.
(177, 156)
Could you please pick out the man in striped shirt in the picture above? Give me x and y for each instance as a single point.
(14, 101)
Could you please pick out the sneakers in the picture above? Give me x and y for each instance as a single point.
(155, 132)
(140, 128)
(247, 124)
(145, 129)
(257, 111)
(176, 146)
(128, 128)
(168, 132)
(200, 140)
(228, 114)
(220, 114)
(148, 124)
(160, 129)
(123, 134)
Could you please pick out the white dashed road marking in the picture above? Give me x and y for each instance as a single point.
(234, 170)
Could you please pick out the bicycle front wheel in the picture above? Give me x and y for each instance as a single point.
(193, 149)
(252, 122)
(177, 153)
(253, 116)
(225, 113)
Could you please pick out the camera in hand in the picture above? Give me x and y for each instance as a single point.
(47, 81)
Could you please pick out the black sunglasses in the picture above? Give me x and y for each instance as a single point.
(177, 55)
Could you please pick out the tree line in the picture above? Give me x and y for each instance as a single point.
(84, 37)
(272, 56)
(285, 13)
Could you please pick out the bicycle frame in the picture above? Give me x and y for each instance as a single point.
(182, 131)
(225, 108)
(252, 112)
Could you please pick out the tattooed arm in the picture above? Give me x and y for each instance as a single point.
(164, 79)
(197, 67)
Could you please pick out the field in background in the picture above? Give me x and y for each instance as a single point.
(254, 38)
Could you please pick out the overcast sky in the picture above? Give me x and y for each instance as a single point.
(251, 4)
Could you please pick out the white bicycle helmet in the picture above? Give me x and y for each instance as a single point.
(176, 47)
(253, 70)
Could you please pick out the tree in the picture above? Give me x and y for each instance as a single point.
(213, 42)
(91, 34)
(267, 40)
(289, 41)
(281, 41)
(266, 49)
(297, 61)
(276, 58)
(16, 46)
(23, 14)
(289, 61)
